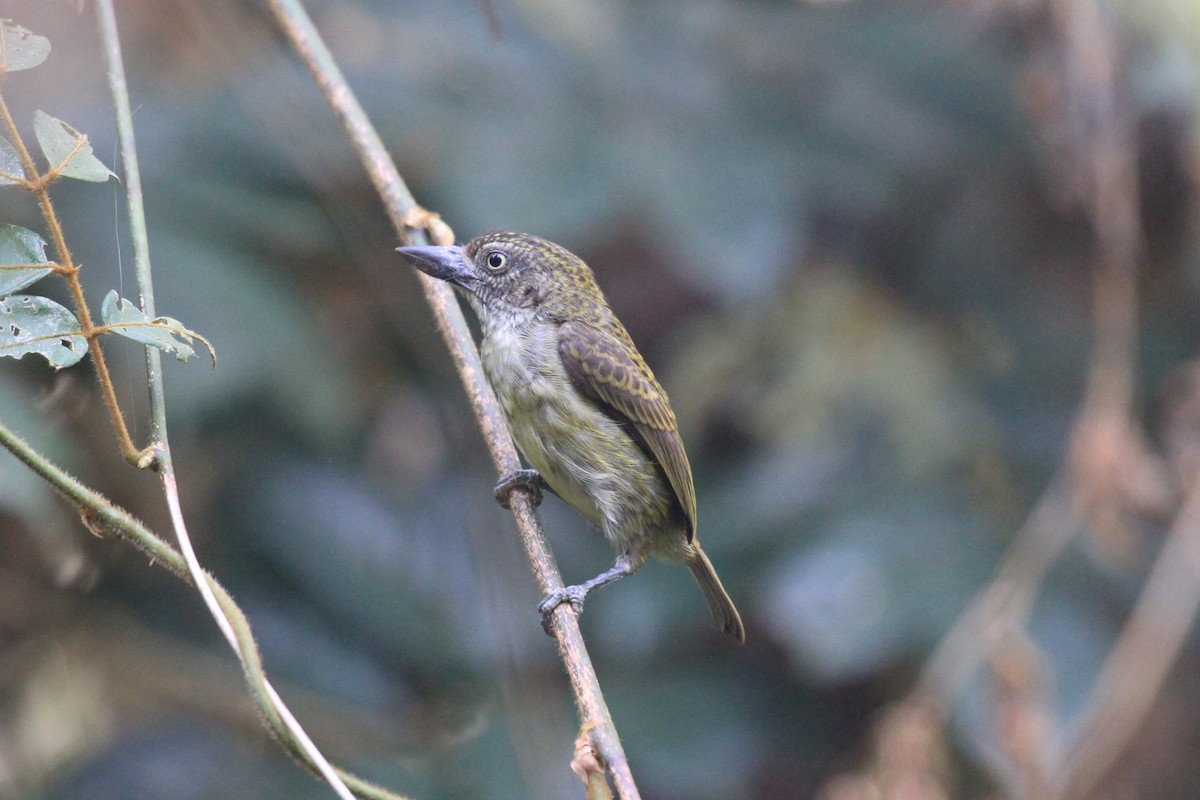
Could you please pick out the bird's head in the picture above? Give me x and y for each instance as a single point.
(514, 274)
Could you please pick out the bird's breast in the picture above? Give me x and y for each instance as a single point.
(586, 457)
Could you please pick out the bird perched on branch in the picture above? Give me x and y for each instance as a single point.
(583, 407)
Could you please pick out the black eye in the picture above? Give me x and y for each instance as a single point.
(495, 261)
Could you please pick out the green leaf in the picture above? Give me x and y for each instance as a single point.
(23, 249)
(11, 170)
(123, 317)
(21, 48)
(67, 150)
(31, 324)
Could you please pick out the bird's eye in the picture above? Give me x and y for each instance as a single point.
(495, 261)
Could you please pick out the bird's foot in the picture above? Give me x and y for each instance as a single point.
(529, 479)
(567, 594)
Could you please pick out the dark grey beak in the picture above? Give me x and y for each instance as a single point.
(445, 263)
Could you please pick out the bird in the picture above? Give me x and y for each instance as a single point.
(583, 407)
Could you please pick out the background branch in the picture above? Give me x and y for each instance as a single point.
(1136, 668)
(1003, 604)
(1108, 478)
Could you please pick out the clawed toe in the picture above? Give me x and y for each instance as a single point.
(568, 594)
(529, 479)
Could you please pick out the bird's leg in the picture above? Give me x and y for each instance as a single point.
(529, 479)
(575, 594)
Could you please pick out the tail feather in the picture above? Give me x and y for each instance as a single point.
(722, 607)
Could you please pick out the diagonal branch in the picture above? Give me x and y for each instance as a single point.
(406, 215)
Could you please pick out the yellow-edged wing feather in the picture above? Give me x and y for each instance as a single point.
(606, 367)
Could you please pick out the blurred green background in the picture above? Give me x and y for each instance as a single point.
(841, 236)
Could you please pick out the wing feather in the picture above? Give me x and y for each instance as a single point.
(606, 367)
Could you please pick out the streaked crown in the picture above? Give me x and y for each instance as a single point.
(524, 271)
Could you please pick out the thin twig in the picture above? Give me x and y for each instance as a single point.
(405, 214)
(66, 267)
(105, 518)
(160, 451)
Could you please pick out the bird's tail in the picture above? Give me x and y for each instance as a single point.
(722, 607)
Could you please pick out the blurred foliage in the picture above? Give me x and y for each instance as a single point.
(841, 240)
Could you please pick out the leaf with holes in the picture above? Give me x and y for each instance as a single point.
(31, 324)
(123, 317)
(67, 150)
(21, 253)
(11, 171)
(21, 48)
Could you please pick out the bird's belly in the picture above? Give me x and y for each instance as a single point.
(586, 457)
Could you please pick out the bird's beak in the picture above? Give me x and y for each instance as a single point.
(444, 263)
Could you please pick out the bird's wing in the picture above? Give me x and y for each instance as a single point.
(606, 367)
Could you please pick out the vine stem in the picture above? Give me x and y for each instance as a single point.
(409, 220)
(158, 454)
(105, 518)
